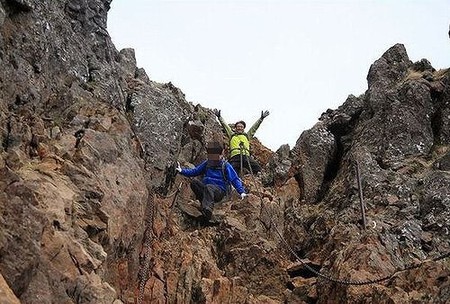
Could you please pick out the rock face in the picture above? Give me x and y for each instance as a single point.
(90, 204)
(396, 133)
(70, 171)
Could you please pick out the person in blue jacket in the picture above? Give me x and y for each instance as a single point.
(217, 175)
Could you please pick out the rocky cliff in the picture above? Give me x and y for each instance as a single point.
(90, 204)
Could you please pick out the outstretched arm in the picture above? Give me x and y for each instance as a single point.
(192, 172)
(234, 179)
(224, 125)
(256, 125)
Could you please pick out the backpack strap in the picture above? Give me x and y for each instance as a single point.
(224, 171)
(227, 180)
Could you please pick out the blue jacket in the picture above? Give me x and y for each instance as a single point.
(213, 175)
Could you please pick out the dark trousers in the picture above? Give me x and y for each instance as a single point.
(207, 194)
(235, 161)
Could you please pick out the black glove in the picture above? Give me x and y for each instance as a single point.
(264, 114)
(217, 113)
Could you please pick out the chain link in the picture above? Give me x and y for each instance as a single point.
(328, 277)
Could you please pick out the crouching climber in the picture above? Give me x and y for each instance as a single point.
(217, 175)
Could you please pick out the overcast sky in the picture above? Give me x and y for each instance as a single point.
(295, 58)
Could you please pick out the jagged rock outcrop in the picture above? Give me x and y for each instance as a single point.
(90, 203)
(70, 171)
(394, 132)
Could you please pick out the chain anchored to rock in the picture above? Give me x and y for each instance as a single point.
(329, 277)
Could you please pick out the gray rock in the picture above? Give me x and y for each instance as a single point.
(91, 217)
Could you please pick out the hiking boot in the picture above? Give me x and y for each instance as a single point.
(207, 213)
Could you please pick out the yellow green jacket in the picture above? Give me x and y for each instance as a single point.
(236, 139)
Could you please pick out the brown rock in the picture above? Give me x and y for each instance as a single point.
(6, 294)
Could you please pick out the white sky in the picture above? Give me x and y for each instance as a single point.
(294, 58)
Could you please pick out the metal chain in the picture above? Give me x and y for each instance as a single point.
(325, 276)
(149, 237)
(143, 275)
